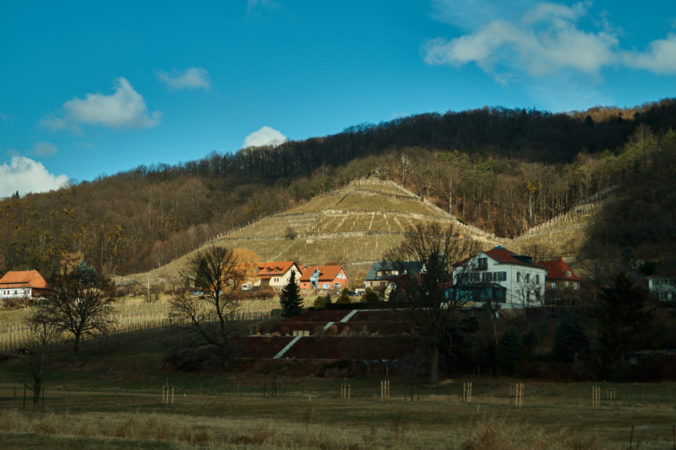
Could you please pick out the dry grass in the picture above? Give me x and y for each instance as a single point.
(214, 432)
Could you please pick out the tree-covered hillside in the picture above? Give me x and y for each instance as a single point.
(499, 169)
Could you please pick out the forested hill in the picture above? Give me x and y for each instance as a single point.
(499, 169)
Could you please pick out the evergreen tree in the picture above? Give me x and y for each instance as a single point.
(292, 304)
(570, 341)
(509, 351)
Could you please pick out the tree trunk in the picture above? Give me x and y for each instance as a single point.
(434, 364)
(76, 345)
(37, 390)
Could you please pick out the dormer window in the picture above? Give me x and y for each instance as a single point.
(568, 274)
(482, 264)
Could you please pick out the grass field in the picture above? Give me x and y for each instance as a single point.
(111, 396)
(229, 411)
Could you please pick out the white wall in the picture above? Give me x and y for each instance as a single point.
(525, 285)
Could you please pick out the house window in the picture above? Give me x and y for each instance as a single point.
(565, 284)
(482, 264)
(568, 274)
(486, 277)
(553, 284)
(336, 285)
(518, 277)
(326, 285)
(501, 276)
(527, 277)
(537, 279)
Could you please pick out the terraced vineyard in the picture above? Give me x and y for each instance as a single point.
(357, 224)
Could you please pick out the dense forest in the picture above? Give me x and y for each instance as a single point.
(500, 169)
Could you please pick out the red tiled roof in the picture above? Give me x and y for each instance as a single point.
(504, 256)
(269, 269)
(23, 278)
(326, 273)
(557, 269)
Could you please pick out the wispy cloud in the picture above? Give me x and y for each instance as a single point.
(545, 39)
(25, 175)
(264, 136)
(254, 7)
(124, 108)
(190, 78)
(44, 149)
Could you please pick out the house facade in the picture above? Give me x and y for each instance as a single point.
(331, 277)
(22, 284)
(663, 287)
(382, 272)
(276, 274)
(559, 275)
(501, 276)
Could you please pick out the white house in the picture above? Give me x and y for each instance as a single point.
(663, 287)
(22, 284)
(504, 277)
(276, 274)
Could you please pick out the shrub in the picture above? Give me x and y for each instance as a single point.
(370, 296)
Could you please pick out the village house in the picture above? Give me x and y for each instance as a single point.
(382, 272)
(663, 287)
(559, 275)
(331, 277)
(501, 276)
(22, 284)
(276, 274)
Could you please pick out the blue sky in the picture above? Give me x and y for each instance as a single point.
(92, 88)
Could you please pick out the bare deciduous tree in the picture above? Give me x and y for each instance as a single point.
(77, 303)
(215, 273)
(433, 306)
(42, 334)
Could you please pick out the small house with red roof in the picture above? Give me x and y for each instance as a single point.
(22, 284)
(276, 274)
(501, 276)
(559, 274)
(331, 277)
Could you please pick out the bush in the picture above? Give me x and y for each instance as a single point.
(370, 296)
(344, 298)
(321, 302)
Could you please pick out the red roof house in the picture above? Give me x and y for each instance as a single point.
(323, 277)
(559, 274)
(22, 284)
(276, 273)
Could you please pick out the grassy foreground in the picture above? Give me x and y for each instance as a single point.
(208, 411)
(111, 397)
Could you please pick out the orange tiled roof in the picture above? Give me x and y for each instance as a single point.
(557, 269)
(326, 273)
(269, 269)
(23, 278)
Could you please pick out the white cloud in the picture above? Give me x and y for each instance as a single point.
(264, 136)
(659, 58)
(190, 78)
(125, 108)
(256, 6)
(547, 39)
(25, 175)
(44, 149)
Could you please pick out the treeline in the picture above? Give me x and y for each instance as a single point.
(503, 170)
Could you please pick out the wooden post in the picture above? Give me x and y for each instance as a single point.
(610, 394)
(43, 398)
(384, 390)
(24, 396)
(596, 397)
(631, 438)
(467, 391)
(518, 394)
